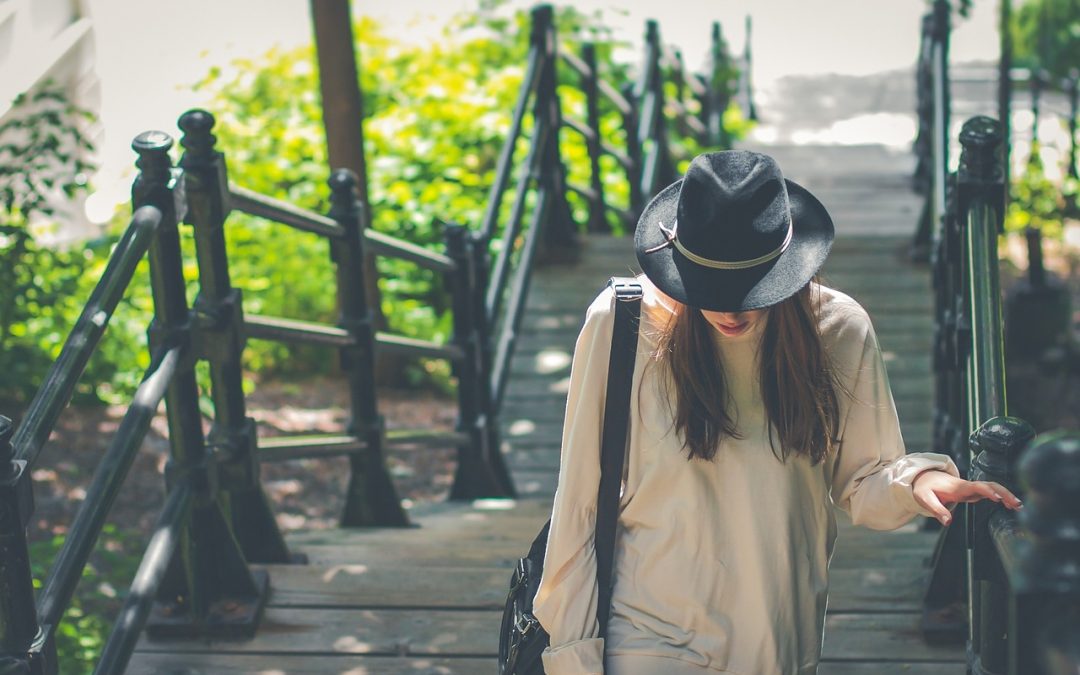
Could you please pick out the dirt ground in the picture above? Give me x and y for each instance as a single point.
(307, 494)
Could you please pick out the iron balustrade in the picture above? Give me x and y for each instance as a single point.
(1020, 573)
(59, 384)
(646, 115)
(195, 577)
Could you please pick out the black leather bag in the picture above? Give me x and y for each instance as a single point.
(521, 638)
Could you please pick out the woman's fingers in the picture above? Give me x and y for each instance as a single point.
(931, 501)
(973, 491)
(1007, 498)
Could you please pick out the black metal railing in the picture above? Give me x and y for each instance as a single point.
(1015, 578)
(666, 98)
(933, 84)
(1002, 584)
(932, 141)
(195, 577)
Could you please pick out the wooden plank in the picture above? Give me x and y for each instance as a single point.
(862, 636)
(876, 589)
(143, 663)
(377, 632)
(889, 668)
(362, 586)
(882, 637)
(459, 553)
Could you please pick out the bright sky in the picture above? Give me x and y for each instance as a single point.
(145, 70)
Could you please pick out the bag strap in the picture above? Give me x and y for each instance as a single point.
(613, 444)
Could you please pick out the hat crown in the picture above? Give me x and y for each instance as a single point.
(733, 206)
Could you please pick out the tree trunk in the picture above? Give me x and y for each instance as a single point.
(343, 109)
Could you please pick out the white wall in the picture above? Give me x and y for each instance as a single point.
(44, 40)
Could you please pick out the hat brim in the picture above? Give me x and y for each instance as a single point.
(734, 290)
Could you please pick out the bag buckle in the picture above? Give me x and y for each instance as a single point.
(625, 288)
(526, 624)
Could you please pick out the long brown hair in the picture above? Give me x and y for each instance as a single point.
(798, 386)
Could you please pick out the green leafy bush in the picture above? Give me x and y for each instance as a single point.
(436, 119)
(1046, 34)
(86, 624)
(42, 164)
(437, 116)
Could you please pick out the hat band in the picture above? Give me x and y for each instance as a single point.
(672, 239)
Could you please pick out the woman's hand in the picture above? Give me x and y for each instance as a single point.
(939, 491)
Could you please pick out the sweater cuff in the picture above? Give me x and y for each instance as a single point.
(580, 657)
(920, 462)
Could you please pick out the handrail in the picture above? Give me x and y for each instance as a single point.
(987, 352)
(256, 204)
(506, 155)
(108, 478)
(55, 392)
(385, 244)
(581, 68)
(497, 283)
(148, 579)
(504, 350)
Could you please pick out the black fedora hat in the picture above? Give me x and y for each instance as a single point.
(733, 234)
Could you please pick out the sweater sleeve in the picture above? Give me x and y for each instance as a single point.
(566, 600)
(871, 475)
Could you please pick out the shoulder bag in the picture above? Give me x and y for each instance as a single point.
(522, 639)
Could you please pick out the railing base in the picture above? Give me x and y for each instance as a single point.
(227, 618)
(371, 500)
(256, 529)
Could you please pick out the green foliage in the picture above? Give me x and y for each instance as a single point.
(1039, 202)
(86, 624)
(436, 118)
(1046, 34)
(42, 165)
(1036, 202)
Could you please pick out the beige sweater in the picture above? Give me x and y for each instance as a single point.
(721, 566)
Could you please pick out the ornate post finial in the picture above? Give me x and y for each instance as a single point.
(198, 138)
(998, 443)
(153, 150)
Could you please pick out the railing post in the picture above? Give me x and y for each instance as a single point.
(996, 445)
(980, 212)
(718, 93)
(924, 111)
(371, 498)
(21, 638)
(1037, 76)
(478, 249)
(1044, 625)
(481, 471)
(981, 209)
(748, 66)
(218, 338)
(559, 241)
(209, 584)
(1005, 87)
(633, 151)
(657, 169)
(597, 213)
(1074, 114)
(934, 208)
(945, 604)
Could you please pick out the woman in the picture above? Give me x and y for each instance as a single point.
(761, 401)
